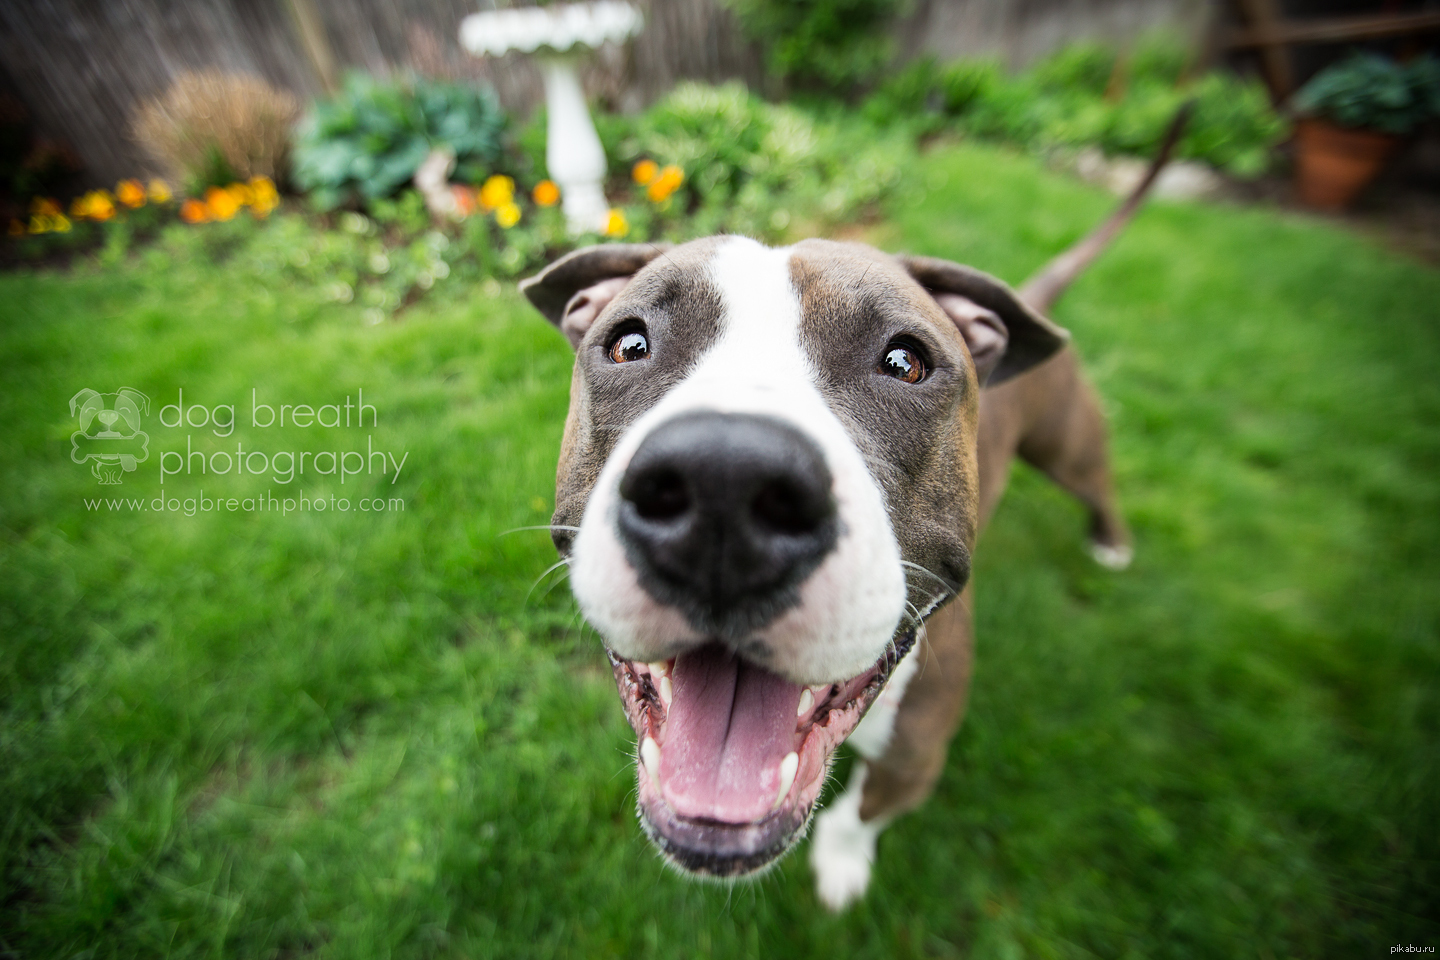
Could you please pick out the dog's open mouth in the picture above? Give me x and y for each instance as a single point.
(733, 757)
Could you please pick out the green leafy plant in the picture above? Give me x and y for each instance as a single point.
(1375, 92)
(369, 140)
(829, 45)
(754, 167)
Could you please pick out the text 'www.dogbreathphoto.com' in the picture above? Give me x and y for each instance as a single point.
(267, 503)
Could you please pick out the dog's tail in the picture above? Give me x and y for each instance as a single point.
(1045, 287)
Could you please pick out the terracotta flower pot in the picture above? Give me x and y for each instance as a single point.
(1335, 163)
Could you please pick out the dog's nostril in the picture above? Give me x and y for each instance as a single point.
(657, 494)
(788, 508)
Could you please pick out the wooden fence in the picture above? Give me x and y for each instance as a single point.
(81, 66)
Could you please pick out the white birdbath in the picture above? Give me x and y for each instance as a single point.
(561, 36)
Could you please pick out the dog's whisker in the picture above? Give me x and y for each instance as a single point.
(950, 587)
(564, 575)
(563, 562)
(538, 526)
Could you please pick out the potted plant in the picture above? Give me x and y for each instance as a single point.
(1353, 115)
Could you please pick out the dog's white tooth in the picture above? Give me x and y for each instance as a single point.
(650, 757)
(788, 766)
(659, 668)
(807, 700)
(666, 691)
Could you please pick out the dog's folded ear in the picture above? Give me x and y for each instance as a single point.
(573, 290)
(1005, 336)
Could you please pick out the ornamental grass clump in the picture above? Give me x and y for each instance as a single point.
(211, 129)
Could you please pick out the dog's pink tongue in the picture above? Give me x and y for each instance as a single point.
(729, 726)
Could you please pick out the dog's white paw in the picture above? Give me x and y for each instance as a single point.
(843, 850)
(1112, 558)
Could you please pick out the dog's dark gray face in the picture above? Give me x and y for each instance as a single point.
(767, 480)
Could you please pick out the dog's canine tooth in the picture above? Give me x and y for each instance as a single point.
(807, 700)
(666, 691)
(650, 757)
(659, 668)
(788, 767)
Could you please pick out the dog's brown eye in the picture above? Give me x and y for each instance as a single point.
(630, 345)
(903, 363)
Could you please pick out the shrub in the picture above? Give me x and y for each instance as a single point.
(1371, 91)
(829, 45)
(213, 128)
(369, 140)
(1080, 97)
(754, 167)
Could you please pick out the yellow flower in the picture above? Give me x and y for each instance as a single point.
(546, 193)
(615, 224)
(44, 207)
(194, 211)
(665, 183)
(241, 194)
(95, 205)
(221, 204)
(131, 193)
(49, 223)
(159, 191)
(263, 190)
(496, 192)
(507, 215)
(645, 171)
(263, 196)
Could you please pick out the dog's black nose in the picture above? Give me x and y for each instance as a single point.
(724, 515)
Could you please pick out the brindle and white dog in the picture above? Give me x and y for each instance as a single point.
(773, 472)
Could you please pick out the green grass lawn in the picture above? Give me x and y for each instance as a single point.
(359, 734)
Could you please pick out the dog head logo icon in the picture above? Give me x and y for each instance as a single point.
(110, 437)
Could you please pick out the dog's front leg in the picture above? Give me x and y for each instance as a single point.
(894, 777)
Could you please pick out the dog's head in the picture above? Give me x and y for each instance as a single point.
(109, 414)
(767, 480)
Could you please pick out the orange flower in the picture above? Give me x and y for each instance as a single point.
(465, 203)
(645, 171)
(497, 191)
(159, 191)
(221, 204)
(194, 211)
(615, 224)
(131, 193)
(546, 193)
(665, 183)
